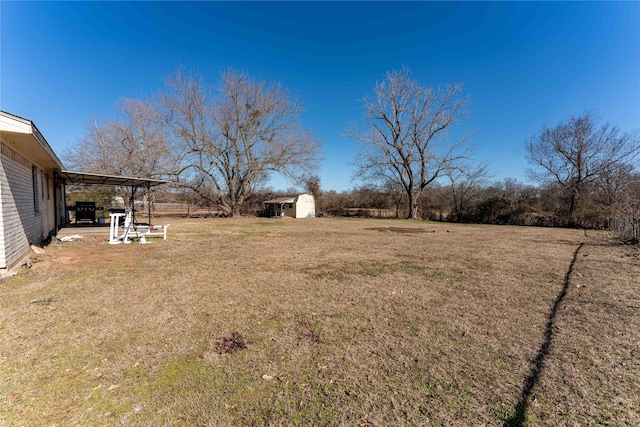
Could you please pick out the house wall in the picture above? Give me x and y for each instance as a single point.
(290, 209)
(20, 224)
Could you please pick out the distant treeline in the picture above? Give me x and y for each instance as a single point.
(508, 202)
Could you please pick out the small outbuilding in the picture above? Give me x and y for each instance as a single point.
(300, 206)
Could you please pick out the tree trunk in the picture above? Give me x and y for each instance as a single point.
(413, 205)
(573, 204)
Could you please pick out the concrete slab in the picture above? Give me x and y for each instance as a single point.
(84, 230)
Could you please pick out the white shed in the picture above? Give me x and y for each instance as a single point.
(300, 206)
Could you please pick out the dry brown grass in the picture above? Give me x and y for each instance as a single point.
(347, 322)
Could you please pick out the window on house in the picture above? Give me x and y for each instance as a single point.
(34, 179)
(47, 182)
(43, 184)
(290, 206)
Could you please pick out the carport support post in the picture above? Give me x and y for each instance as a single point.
(149, 202)
(56, 194)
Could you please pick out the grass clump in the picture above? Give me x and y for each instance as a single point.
(42, 301)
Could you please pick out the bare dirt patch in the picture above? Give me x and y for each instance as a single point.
(340, 326)
(73, 255)
(401, 230)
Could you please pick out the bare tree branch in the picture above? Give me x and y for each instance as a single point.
(577, 154)
(408, 135)
(230, 138)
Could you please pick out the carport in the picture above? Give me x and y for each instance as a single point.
(70, 177)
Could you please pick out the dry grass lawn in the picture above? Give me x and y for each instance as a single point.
(346, 321)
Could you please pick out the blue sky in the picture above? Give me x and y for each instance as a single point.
(524, 65)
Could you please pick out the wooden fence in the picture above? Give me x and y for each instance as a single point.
(175, 209)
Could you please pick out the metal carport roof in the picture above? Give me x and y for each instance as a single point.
(70, 177)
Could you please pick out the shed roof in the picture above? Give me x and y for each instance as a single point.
(288, 199)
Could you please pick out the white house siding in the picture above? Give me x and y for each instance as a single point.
(20, 224)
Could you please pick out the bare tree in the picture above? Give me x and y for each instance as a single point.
(466, 184)
(395, 193)
(230, 139)
(627, 205)
(407, 139)
(134, 144)
(619, 193)
(312, 186)
(577, 154)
